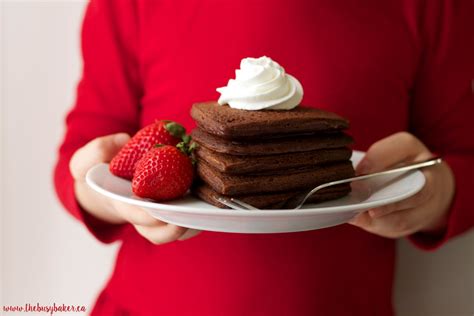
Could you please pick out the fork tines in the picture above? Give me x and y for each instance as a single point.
(235, 203)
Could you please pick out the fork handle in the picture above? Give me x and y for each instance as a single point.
(417, 165)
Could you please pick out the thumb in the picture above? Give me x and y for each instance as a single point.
(101, 149)
(398, 148)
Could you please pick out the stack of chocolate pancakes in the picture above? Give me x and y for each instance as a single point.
(266, 158)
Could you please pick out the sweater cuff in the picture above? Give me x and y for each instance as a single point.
(461, 213)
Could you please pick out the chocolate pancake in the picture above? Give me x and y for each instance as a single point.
(232, 164)
(271, 146)
(229, 123)
(251, 184)
(272, 200)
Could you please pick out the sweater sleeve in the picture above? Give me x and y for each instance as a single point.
(443, 110)
(107, 97)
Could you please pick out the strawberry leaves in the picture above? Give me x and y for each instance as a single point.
(175, 129)
(187, 146)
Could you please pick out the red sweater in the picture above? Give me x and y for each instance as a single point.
(388, 66)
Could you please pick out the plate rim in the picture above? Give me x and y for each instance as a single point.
(272, 212)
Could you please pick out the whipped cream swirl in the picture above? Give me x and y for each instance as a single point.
(261, 83)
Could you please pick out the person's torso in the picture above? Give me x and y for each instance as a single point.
(355, 58)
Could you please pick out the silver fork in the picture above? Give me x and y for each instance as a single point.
(237, 204)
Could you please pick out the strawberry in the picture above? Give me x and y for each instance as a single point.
(165, 172)
(160, 132)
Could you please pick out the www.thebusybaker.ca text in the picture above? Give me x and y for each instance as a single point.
(50, 309)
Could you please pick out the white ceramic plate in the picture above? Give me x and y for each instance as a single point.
(194, 213)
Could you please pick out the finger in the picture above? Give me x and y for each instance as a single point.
(417, 200)
(162, 234)
(135, 215)
(361, 220)
(394, 225)
(189, 234)
(101, 149)
(397, 148)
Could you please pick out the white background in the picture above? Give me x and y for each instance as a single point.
(46, 256)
